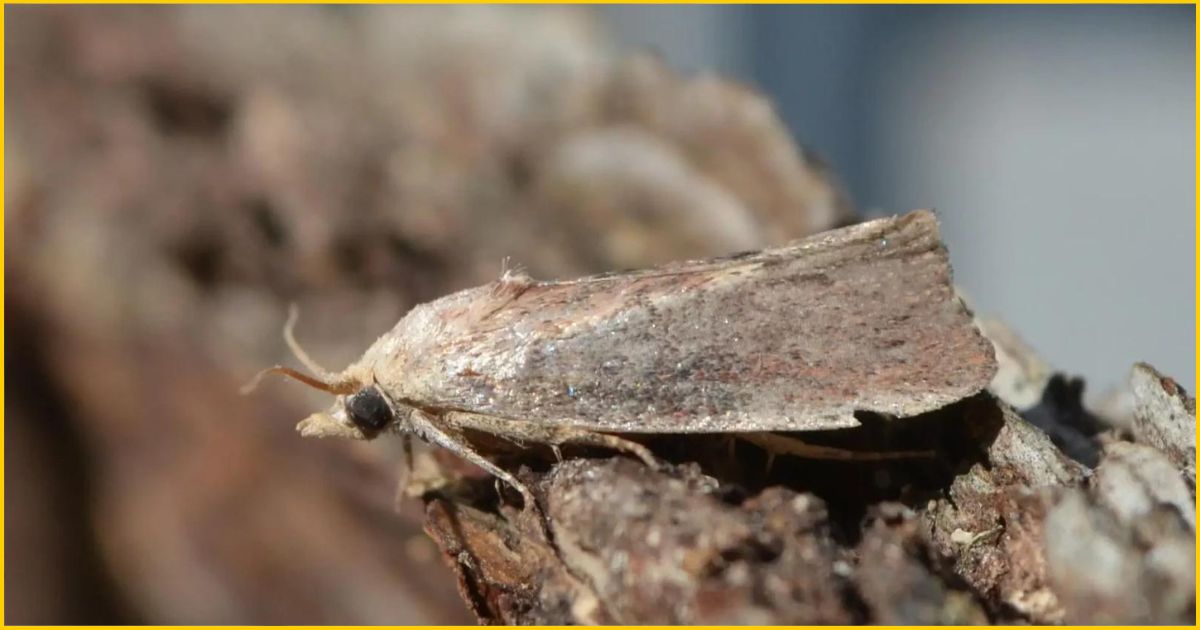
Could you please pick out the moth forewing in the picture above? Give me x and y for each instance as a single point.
(793, 338)
(787, 339)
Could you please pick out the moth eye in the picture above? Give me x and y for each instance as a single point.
(368, 410)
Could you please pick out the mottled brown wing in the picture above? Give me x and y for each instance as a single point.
(794, 338)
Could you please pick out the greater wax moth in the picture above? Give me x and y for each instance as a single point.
(794, 338)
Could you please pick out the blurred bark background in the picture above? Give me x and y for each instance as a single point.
(177, 175)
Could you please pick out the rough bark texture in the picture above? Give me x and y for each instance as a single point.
(1165, 418)
(1002, 527)
(177, 175)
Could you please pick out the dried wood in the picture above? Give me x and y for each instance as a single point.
(982, 535)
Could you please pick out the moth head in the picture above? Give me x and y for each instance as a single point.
(361, 410)
(361, 415)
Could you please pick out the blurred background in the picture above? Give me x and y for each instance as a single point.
(175, 176)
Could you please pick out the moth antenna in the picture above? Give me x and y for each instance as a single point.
(290, 338)
(333, 388)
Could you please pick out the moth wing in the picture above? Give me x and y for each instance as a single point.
(794, 338)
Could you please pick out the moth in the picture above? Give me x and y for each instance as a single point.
(793, 338)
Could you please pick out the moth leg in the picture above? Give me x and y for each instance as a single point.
(770, 461)
(563, 435)
(784, 445)
(553, 436)
(426, 428)
(407, 471)
(406, 446)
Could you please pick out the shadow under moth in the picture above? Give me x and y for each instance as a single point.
(794, 338)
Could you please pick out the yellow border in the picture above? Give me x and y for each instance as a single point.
(552, 2)
(1196, 17)
(3, 126)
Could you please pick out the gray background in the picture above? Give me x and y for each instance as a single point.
(1056, 143)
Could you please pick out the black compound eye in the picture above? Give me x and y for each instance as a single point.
(368, 410)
